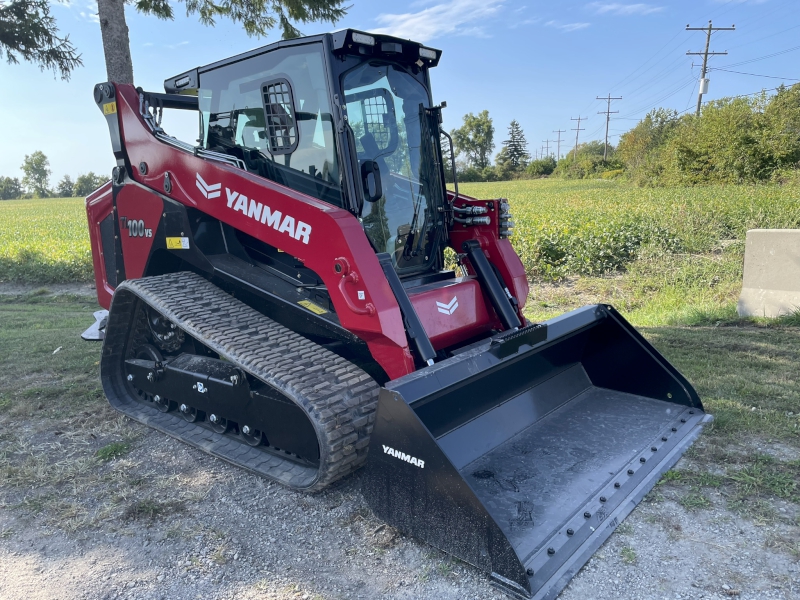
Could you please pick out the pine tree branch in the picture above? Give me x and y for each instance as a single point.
(29, 32)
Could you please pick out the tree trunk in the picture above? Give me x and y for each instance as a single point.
(116, 45)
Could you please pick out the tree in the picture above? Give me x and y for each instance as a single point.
(36, 169)
(10, 188)
(541, 167)
(256, 16)
(86, 184)
(475, 138)
(64, 187)
(29, 32)
(516, 147)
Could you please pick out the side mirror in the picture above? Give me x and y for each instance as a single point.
(371, 181)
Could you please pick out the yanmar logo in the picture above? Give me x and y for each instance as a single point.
(448, 308)
(258, 211)
(208, 191)
(402, 456)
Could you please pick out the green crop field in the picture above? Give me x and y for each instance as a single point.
(661, 255)
(44, 241)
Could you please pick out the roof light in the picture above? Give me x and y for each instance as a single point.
(361, 38)
(427, 53)
(183, 81)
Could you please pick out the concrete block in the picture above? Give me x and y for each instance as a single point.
(771, 286)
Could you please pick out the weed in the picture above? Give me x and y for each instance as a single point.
(694, 501)
(112, 451)
(670, 476)
(625, 529)
(147, 509)
(628, 555)
(445, 567)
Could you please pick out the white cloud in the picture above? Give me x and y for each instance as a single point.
(458, 17)
(615, 8)
(524, 22)
(567, 27)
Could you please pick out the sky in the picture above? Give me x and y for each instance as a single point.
(542, 63)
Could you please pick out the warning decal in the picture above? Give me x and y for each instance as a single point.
(177, 243)
(314, 308)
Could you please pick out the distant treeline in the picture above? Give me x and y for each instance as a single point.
(36, 177)
(734, 140)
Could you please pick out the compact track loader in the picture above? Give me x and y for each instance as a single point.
(278, 297)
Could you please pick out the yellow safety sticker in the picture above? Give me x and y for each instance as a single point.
(177, 243)
(314, 308)
(109, 108)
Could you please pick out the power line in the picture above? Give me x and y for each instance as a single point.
(577, 131)
(703, 81)
(755, 75)
(752, 60)
(559, 132)
(608, 112)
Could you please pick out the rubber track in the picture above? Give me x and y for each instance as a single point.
(339, 397)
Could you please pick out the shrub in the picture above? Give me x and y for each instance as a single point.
(542, 167)
(10, 188)
(86, 184)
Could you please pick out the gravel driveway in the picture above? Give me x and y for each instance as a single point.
(209, 530)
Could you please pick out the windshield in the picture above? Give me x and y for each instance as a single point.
(272, 110)
(386, 113)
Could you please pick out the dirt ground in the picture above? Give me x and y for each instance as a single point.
(94, 506)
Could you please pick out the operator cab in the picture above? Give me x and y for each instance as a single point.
(346, 118)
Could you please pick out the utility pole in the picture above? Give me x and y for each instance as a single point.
(559, 132)
(577, 131)
(608, 112)
(703, 81)
(547, 145)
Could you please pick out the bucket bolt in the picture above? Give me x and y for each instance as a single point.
(212, 418)
(184, 408)
(642, 459)
(663, 438)
(630, 471)
(674, 429)
(587, 515)
(235, 379)
(130, 377)
(246, 430)
(570, 531)
(653, 449)
(551, 551)
(617, 484)
(150, 377)
(683, 420)
(602, 498)
(157, 399)
(529, 572)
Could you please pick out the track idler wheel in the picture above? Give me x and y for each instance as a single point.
(252, 436)
(163, 404)
(191, 414)
(217, 423)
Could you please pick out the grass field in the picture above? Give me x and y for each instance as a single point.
(44, 241)
(662, 256)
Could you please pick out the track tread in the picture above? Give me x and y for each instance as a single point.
(339, 397)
